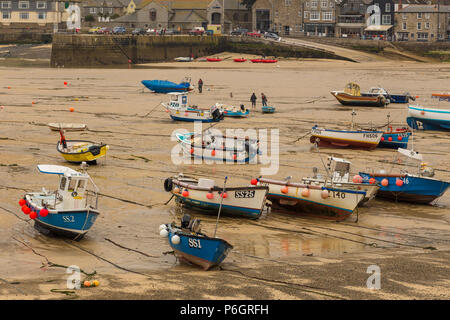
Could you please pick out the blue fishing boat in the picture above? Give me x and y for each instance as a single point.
(190, 245)
(164, 86)
(420, 118)
(179, 110)
(393, 98)
(415, 188)
(233, 112)
(268, 109)
(70, 211)
(395, 139)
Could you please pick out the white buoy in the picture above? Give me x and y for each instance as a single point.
(163, 226)
(176, 239)
(164, 233)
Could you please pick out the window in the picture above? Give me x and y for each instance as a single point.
(327, 15)
(110, 10)
(41, 5)
(299, 13)
(42, 15)
(6, 15)
(92, 10)
(419, 15)
(62, 185)
(314, 3)
(24, 4)
(422, 36)
(388, 7)
(306, 15)
(404, 26)
(6, 5)
(404, 16)
(276, 13)
(152, 15)
(427, 16)
(419, 25)
(427, 25)
(24, 16)
(324, 3)
(287, 3)
(307, 4)
(331, 4)
(386, 19)
(315, 15)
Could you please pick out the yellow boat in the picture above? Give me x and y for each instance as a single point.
(77, 151)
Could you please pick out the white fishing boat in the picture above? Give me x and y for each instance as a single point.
(226, 149)
(70, 211)
(67, 126)
(204, 195)
(338, 175)
(326, 201)
(179, 110)
(428, 118)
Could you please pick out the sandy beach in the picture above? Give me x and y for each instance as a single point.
(279, 256)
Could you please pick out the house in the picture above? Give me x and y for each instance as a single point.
(423, 23)
(319, 17)
(380, 20)
(38, 15)
(351, 18)
(183, 15)
(102, 8)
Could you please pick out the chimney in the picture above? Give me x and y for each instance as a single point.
(400, 5)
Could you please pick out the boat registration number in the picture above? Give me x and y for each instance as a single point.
(195, 243)
(338, 194)
(244, 194)
(68, 218)
(370, 135)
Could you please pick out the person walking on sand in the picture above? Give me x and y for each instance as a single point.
(200, 85)
(264, 99)
(253, 100)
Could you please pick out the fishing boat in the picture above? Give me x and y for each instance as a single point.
(325, 201)
(70, 211)
(219, 148)
(67, 126)
(351, 96)
(359, 139)
(203, 195)
(213, 59)
(164, 86)
(233, 112)
(395, 139)
(193, 246)
(77, 151)
(268, 109)
(392, 98)
(420, 118)
(338, 175)
(441, 96)
(179, 110)
(419, 188)
(239, 60)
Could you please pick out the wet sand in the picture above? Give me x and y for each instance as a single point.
(279, 256)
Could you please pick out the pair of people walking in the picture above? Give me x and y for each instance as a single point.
(263, 100)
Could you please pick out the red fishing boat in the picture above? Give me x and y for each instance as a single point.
(240, 60)
(213, 59)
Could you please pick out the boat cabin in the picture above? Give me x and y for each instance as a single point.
(178, 100)
(352, 89)
(339, 168)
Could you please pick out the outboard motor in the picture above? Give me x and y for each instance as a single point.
(185, 221)
(216, 113)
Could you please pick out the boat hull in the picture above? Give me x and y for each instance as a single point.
(236, 114)
(428, 119)
(346, 139)
(162, 86)
(415, 189)
(90, 153)
(394, 140)
(340, 203)
(361, 101)
(202, 251)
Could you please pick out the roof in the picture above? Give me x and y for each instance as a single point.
(187, 16)
(127, 18)
(424, 9)
(60, 170)
(104, 3)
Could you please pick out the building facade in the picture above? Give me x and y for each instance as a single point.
(103, 9)
(319, 17)
(423, 23)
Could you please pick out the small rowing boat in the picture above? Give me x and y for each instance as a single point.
(203, 195)
(213, 59)
(77, 151)
(395, 139)
(239, 60)
(70, 211)
(67, 126)
(233, 112)
(193, 246)
(268, 109)
(264, 60)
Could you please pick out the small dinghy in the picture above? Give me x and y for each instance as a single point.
(418, 188)
(184, 59)
(193, 246)
(164, 86)
(240, 60)
(213, 59)
(202, 194)
(70, 211)
(264, 60)
(220, 148)
(233, 112)
(268, 109)
(67, 126)
(77, 151)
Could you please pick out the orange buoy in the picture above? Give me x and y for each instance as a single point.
(384, 182)
(305, 192)
(87, 283)
(71, 109)
(399, 182)
(372, 180)
(210, 195)
(285, 189)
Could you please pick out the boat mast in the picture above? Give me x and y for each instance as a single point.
(220, 207)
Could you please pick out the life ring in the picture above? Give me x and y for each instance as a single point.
(74, 194)
(168, 184)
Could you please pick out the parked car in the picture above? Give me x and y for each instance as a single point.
(254, 34)
(271, 35)
(197, 31)
(119, 30)
(138, 31)
(104, 30)
(152, 31)
(94, 29)
(239, 32)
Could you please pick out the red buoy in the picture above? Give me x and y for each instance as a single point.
(43, 213)
(26, 209)
(285, 189)
(33, 215)
(400, 138)
(224, 195)
(22, 202)
(209, 195)
(384, 182)
(372, 180)
(390, 138)
(382, 138)
(213, 153)
(399, 182)
(185, 193)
